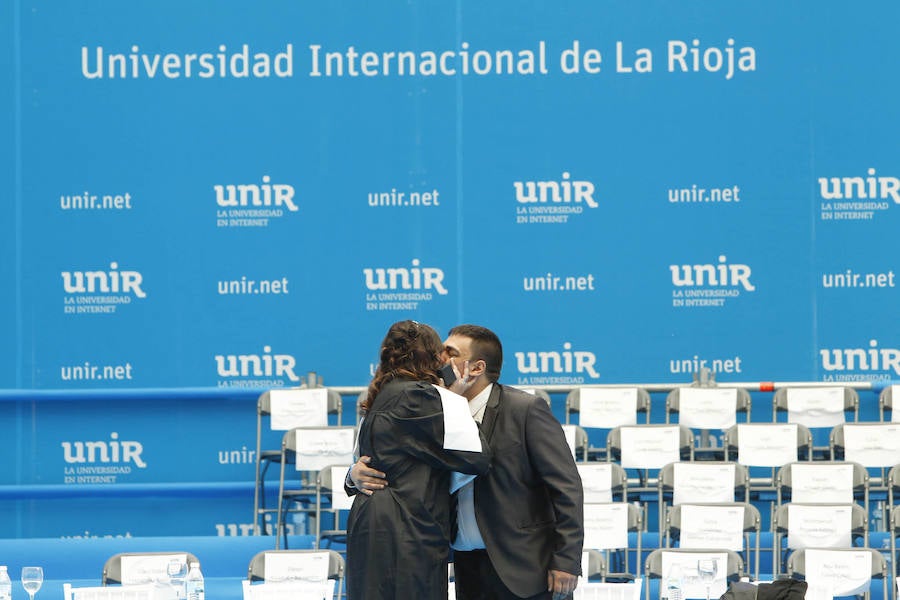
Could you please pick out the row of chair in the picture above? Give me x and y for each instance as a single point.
(132, 570)
(640, 448)
(829, 572)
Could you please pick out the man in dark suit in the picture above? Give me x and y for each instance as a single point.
(519, 529)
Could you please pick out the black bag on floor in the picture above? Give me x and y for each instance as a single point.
(780, 589)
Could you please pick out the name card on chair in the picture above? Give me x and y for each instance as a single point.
(649, 447)
(699, 482)
(707, 408)
(812, 526)
(596, 480)
(767, 445)
(821, 483)
(318, 448)
(130, 592)
(290, 590)
(606, 526)
(872, 445)
(846, 572)
(712, 527)
(298, 408)
(607, 407)
(597, 590)
(816, 407)
(147, 568)
(296, 566)
(339, 498)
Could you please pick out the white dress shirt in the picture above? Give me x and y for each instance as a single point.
(468, 536)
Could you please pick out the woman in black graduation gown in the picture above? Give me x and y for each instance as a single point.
(398, 539)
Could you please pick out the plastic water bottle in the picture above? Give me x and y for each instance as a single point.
(193, 583)
(177, 571)
(675, 583)
(5, 584)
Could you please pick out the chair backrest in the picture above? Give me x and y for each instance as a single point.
(333, 402)
(677, 524)
(603, 481)
(359, 405)
(873, 445)
(316, 447)
(819, 408)
(851, 580)
(816, 406)
(893, 483)
(822, 481)
(768, 444)
(704, 481)
(147, 566)
(707, 408)
(653, 566)
(331, 499)
(542, 394)
(606, 528)
(886, 402)
(672, 442)
(256, 571)
(577, 438)
(605, 407)
(593, 565)
(723, 525)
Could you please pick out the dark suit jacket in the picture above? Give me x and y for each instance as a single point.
(530, 505)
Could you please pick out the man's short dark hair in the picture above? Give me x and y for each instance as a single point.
(485, 346)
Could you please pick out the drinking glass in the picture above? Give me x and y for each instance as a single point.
(32, 578)
(707, 568)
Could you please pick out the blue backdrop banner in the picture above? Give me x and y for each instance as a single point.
(233, 196)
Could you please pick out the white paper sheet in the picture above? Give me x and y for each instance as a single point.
(596, 480)
(699, 482)
(707, 408)
(847, 572)
(147, 568)
(298, 408)
(300, 566)
(339, 498)
(816, 407)
(645, 447)
(606, 526)
(460, 429)
(607, 407)
(818, 590)
(571, 432)
(290, 590)
(319, 448)
(812, 526)
(712, 527)
(596, 590)
(872, 445)
(832, 483)
(767, 444)
(126, 592)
